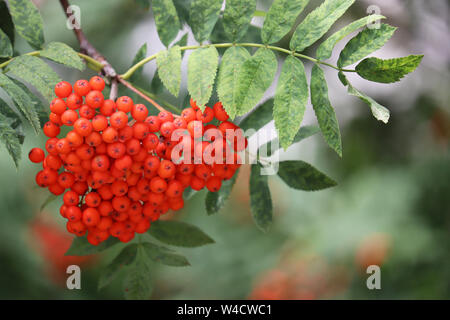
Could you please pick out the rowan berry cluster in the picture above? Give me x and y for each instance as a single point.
(120, 169)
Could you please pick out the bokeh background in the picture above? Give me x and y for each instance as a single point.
(391, 206)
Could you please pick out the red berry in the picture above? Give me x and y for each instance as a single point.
(36, 155)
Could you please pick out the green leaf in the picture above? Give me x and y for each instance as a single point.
(27, 22)
(260, 199)
(255, 77)
(10, 140)
(138, 281)
(237, 17)
(178, 233)
(164, 255)
(42, 111)
(37, 73)
(380, 112)
(202, 68)
(290, 101)
(22, 101)
(388, 71)
(326, 48)
(6, 49)
(366, 42)
(81, 247)
(216, 200)
(232, 60)
(280, 19)
(188, 193)
(261, 116)
(203, 16)
(140, 54)
(124, 258)
(166, 19)
(303, 133)
(47, 201)
(6, 23)
(63, 54)
(318, 22)
(302, 176)
(8, 112)
(324, 111)
(169, 69)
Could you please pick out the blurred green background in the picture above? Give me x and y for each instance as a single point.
(391, 206)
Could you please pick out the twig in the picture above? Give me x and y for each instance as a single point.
(114, 89)
(87, 47)
(150, 100)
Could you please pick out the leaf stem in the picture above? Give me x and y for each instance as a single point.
(139, 64)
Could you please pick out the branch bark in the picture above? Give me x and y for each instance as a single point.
(86, 47)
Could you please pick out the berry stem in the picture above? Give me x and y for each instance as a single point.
(139, 64)
(145, 97)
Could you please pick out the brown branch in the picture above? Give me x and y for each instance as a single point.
(145, 97)
(86, 47)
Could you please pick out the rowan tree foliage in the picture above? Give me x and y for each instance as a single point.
(237, 71)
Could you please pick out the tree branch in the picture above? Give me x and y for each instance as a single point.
(86, 46)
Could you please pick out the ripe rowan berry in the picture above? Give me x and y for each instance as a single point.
(108, 108)
(82, 87)
(58, 106)
(97, 83)
(93, 199)
(154, 123)
(86, 112)
(63, 89)
(91, 217)
(94, 99)
(36, 155)
(73, 213)
(110, 135)
(51, 130)
(206, 116)
(158, 185)
(69, 117)
(139, 112)
(118, 120)
(121, 204)
(83, 127)
(124, 104)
